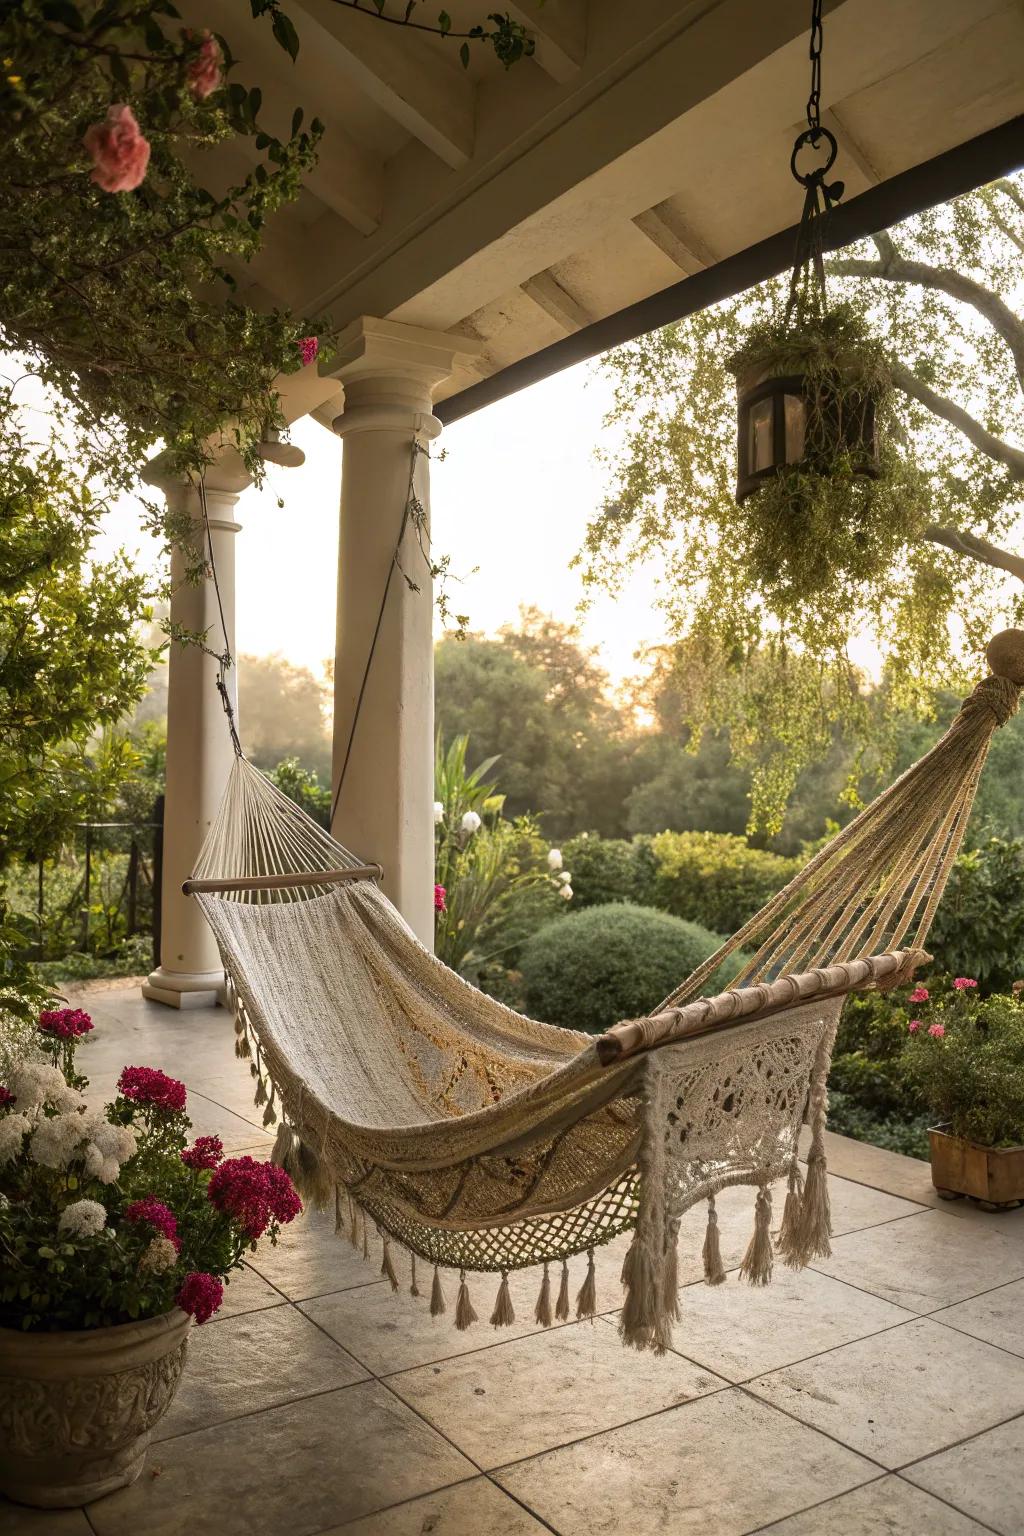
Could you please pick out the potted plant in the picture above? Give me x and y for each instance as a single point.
(116, 1234)
(965, 1056)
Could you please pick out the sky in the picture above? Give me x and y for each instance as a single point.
(510, 502)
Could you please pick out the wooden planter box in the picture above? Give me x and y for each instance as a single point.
(992, 1175)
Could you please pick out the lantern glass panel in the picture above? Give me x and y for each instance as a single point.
(796, 427)
(760, 454)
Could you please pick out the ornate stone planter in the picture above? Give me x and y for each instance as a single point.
(76, 1409)
(993, 1176)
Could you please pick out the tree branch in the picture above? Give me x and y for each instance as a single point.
(894, 268)
(962, 542)
(986, 442)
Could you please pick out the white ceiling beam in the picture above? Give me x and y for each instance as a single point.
(559, 30)
(666, 228)
(399, 71)
(557, 302)
(848, 145)
(345, 178)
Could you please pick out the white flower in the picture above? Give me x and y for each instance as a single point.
(565, 891)
(35, 1083)
(107, 1146)
(565, 878)
(554, 858)
(160, 1256)
(55, 1140)
(83, 1218)
(471, 822)
(438, 812)
(13, 1130)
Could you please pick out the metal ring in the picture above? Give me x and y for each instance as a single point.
(813, 136)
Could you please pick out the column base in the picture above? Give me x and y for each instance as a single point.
(185, 989)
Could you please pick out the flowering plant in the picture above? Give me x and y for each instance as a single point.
(964, 1055)
(111, 1213)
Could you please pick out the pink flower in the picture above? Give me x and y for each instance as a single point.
(200, 1295)
(206, 71)
(439, 898)
(914, 1026)
(119, 152)
(253, 1194)
(156, 1215)
(6, 1097)
(205, 1152)
(148, 1085)
(309, 347)
(65, 1023)
(919, 995)
(962, 983)
(936, 1031)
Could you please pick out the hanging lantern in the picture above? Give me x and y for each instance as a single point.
(801, 404)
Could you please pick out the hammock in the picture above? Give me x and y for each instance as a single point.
(478, 1139)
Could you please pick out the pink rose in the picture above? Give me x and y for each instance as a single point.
(962, 983)
(309, 347)
(206, 71)
(914, 1026)
(439, 898)
(119, 152)
(936, 1031)
(919, 995)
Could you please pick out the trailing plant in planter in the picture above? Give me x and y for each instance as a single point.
(117, 1232)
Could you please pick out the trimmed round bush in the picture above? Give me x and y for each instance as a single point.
(606, 869)
(589, 969)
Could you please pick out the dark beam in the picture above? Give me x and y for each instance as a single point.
(959, 170)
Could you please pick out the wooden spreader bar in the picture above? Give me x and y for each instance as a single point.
(283, 882)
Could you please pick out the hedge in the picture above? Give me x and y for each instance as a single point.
(715, 878)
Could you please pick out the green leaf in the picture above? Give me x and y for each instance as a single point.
(464, 55)
(286, 34)
(444, 21)
(297, 117)
(64, 12)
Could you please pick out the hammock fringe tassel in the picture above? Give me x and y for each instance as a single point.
(504, 1314)
(542, 1312)
(714, 1269)
(464, 1313)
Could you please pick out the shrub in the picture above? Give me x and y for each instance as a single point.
(966, 1059)
(715, 878)
(979, 927)
(589, 969)
(607, 869)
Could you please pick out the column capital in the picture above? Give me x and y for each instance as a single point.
(390, 372)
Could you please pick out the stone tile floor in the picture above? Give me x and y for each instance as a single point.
(880, 1392)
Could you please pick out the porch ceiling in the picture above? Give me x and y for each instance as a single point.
(642, 144)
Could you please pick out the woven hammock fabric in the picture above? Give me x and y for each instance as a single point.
(483, 1140)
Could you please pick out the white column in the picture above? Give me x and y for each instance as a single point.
(390, 372)
(199, 751)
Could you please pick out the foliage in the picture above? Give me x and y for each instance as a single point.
(609, 869)
(105, 1217)
(870, 1098)
(967, 1062)
(304, 787)
(979, 927)
(134, 957)
(714, 878)
(492, 875)
(770, 658)
(592, 968)
(509, 39)
(282, 706)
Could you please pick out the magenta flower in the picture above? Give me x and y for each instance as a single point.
(205, 1152)
(200, 1295)
(148, 1085)
(253, 1194)
(65, 1023)
(914, 1026)
(206, 71)
(963, 983)
(156, 1215)
(6, 1097)
(119, 152)
(309, 347)
(440, 895)
(919, 995)
(936, 1031)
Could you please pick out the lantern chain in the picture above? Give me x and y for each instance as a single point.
(814, 100)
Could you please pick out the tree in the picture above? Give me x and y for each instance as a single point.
(281, 709)
(939, 292)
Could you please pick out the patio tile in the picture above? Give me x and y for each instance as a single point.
(902, 1394)
(395, 1332)
(724, 1464)
(535, 1393)
(16, 1520)
(984, 1477)
(246, 1291)
(311, 1259)
(742, 1330)
(997, 1316)
(860, 1161)
(289, 1471)
(255, 1361)
(469, 1509)
(889, 1507)
(926, 1261)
